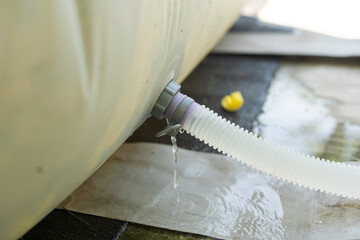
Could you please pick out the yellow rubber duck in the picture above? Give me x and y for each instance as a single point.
(232, 102)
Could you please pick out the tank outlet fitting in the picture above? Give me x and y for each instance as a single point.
(172, 104)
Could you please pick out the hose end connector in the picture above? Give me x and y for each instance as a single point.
(174, 106)
(164, 99)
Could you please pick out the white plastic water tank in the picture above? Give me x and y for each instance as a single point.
(77, 78)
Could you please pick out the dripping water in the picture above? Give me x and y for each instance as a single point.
(175, 156)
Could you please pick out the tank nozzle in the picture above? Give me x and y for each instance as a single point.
(172, 105)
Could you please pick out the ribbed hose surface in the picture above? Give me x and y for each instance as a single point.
(272, 158)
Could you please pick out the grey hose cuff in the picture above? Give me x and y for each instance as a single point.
(164, 99)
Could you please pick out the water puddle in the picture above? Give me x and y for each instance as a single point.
(248, 208)
(181, 208)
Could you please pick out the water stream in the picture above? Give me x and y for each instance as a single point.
(175, 156)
